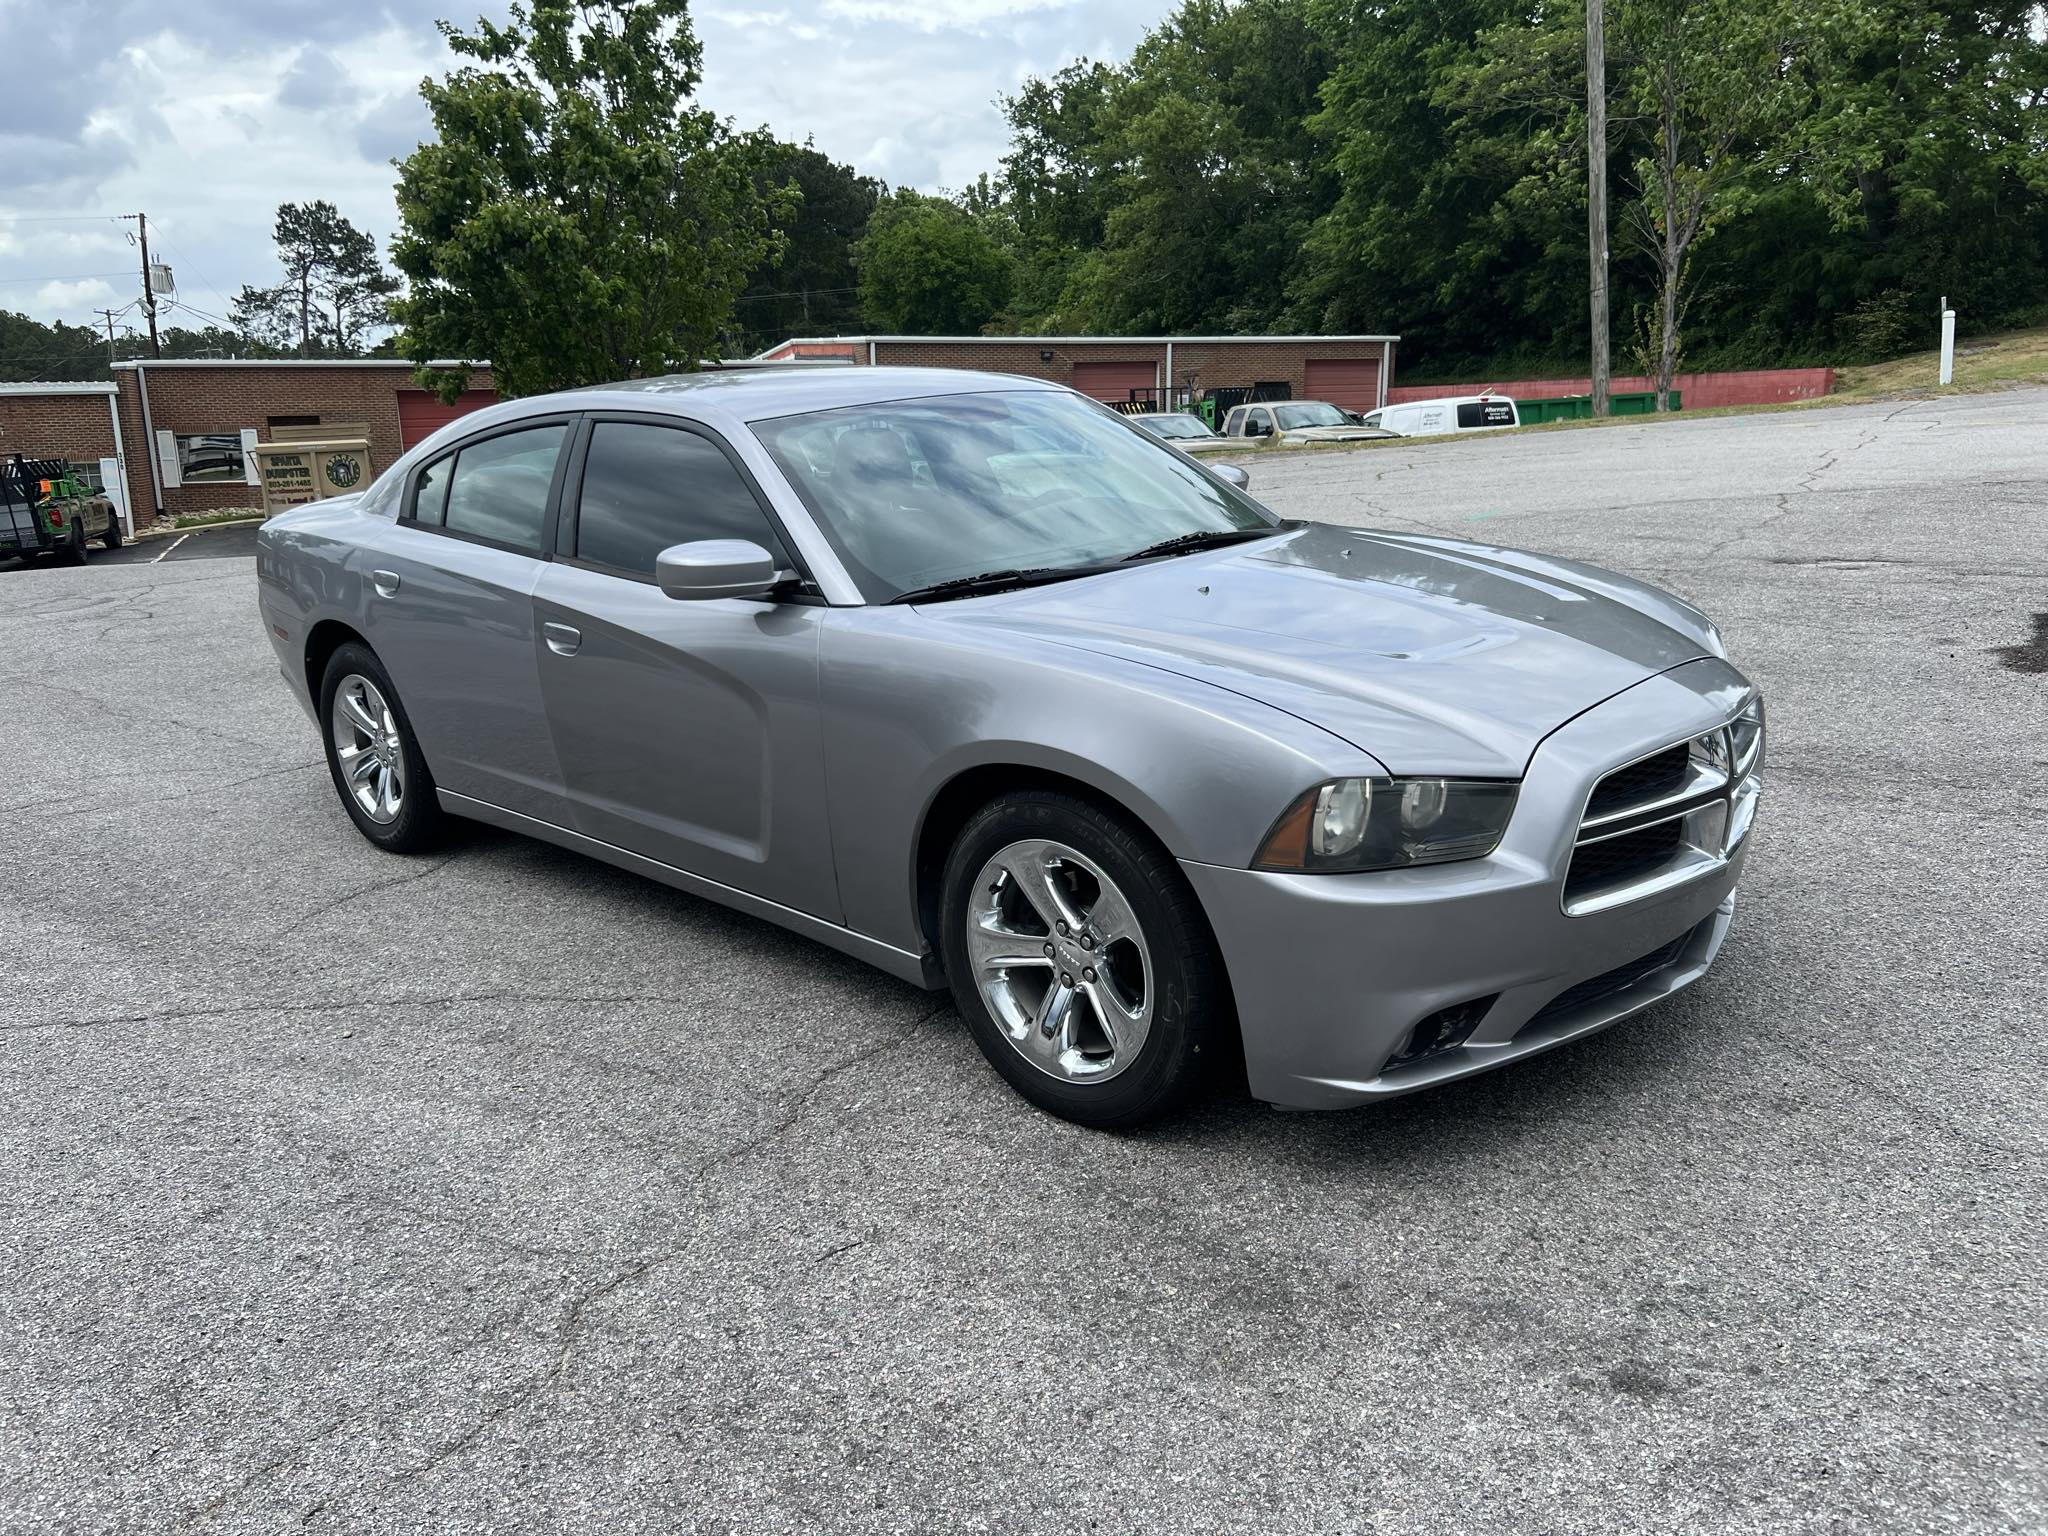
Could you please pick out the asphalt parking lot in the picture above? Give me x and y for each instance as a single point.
(500, 1190)
(220, 542)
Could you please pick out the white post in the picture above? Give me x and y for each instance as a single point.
(1948, 345)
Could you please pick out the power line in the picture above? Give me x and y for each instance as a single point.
(204, 282)
(57, 218)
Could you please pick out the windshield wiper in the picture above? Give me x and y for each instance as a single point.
(1187, 543)
(992, 581)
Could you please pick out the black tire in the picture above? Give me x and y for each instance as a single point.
(74, 549)
(1193, 1020)
(420, 822)
(111, 539)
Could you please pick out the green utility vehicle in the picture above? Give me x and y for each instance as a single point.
(48, 509)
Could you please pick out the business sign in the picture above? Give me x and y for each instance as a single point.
(292, 474)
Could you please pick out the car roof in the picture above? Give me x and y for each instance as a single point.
(731, 397)
(756, 394)
(1454, 400)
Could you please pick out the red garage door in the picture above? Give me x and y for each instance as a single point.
(1112, 383)
(420, 414)
(1353, 383)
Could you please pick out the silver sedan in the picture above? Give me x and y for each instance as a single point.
(966, 676)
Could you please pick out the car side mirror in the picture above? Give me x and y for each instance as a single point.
(1236, 474)
(1256, 429)
(708, 568)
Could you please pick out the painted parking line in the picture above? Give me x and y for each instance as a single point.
(160, 559)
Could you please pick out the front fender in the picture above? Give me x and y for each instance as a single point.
(911, 703)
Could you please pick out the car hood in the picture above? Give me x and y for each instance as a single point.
(1433, 655)
(1332, 434)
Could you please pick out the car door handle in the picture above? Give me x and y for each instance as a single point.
(562, 640)
(386, 583)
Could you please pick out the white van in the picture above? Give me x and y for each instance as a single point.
(1435, 418)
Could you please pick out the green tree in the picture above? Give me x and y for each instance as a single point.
(929, 268)
(577, 218)
(334, 288)
(1713, 88)
(1927, 148)
(810, 287)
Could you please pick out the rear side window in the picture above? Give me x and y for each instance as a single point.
(647, 487)
(500, 486)
(1486, 413)
(430, 502)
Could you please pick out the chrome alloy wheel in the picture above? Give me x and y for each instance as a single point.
(367, 746)
(1061, 961)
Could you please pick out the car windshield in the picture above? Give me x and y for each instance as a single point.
(1174, 425)
(916, 492)
(1309, 413)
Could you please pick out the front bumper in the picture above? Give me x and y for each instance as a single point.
(1332, 973)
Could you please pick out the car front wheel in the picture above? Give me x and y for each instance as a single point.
(373, 756)
(1081, 960)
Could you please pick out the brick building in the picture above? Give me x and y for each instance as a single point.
(172, 435)
(79, 422)
(1351, 371)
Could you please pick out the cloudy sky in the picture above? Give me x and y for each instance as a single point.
(206, 114)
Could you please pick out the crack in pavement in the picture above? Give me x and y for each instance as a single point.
(352, 1006)
(390, 883)
(580, 1305)
(203, 1512)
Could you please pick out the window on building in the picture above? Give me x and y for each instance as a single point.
(274, 422)
(500, 487)
(647, 487)
(206, 458)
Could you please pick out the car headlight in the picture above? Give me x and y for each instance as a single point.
(1354, 824)
(1746, 738)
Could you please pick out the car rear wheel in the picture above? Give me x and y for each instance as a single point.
(373, 756)
(1081, 960)
(75, 550)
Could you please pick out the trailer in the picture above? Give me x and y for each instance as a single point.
(48, 508)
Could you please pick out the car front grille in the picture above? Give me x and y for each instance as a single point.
(1607, 983)
(1670, 816)
(1627, 857)
(1653, 778)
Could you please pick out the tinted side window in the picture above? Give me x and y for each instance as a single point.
(432, 499)
(646, 487)
(500, 490)
(1486, 413)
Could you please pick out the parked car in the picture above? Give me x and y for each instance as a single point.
(1456, 413)
(45, 509)
(956, 673)
(1294, 422)
(1186, 431)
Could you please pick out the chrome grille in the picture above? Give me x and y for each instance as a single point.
(1670, 816)
(1658, 775)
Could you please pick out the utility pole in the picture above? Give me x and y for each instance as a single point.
(109, 314)
(1596, 194)
(148, 293)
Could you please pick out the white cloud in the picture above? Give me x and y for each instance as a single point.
(71, 297)
(210, 113)
(936, 15)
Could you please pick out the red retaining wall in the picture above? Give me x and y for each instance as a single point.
(1697, 391)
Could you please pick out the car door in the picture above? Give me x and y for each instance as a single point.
(688, 731)
(449, 609)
